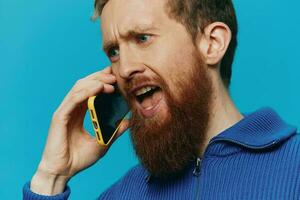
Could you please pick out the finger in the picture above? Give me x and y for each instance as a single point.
(104, 78)
(107, 78)
(85, 84)
(80, 114)
(106, 71)
(73, 99)
(82, 108)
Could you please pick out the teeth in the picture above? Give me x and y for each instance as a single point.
(143, 90)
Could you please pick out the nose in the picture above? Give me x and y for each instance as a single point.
(129, 64)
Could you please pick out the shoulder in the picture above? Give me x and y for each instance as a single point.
(134, 178)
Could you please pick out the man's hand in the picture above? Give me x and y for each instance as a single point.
(70, 148)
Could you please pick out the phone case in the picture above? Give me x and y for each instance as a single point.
(104, 139)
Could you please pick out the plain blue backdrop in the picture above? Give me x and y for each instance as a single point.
(45, 46)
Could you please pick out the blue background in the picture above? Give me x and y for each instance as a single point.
(45, 46)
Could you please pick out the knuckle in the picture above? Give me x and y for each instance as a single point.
(99, 84)
(77, 85)
(75, 98)
(57, 116)
(79, 81)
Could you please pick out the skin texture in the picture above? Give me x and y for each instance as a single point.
(166, 147)
(69, 147)
(167, 55)
(168, 49)
(166, 142)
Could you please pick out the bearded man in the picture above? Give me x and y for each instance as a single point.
(191, 140)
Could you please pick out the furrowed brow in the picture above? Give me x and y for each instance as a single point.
(129, 34)
(139, 29)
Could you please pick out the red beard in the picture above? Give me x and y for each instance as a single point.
(166, 147)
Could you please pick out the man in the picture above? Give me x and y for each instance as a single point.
(172, 62)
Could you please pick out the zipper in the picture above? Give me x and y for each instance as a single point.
(197, 169)
(197, 173)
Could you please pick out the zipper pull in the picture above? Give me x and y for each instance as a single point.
(196, 171)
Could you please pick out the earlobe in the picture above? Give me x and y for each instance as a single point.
(214, 42)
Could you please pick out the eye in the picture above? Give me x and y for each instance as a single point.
(112, 53)
(143, 38)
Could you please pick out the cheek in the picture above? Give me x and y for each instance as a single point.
(162, 58)
(175, 66)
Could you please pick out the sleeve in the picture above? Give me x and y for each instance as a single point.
(123, 188)
(29, 195)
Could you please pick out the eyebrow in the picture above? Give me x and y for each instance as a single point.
(136, 30)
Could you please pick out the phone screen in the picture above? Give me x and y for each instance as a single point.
(110, 110)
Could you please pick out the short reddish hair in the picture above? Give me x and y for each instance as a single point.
(195, 15)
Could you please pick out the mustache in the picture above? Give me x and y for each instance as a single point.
(141, 80)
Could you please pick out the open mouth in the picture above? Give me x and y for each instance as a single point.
(148, 99)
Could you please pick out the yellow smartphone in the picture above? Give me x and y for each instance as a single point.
(107, 111)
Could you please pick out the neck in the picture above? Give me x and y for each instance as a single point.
(223, 113)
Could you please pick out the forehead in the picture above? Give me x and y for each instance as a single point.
(124, 15)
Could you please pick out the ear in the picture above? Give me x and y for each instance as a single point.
(213, 42)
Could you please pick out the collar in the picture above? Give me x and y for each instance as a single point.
(259, 130)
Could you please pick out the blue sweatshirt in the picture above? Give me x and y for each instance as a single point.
(257, 158)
